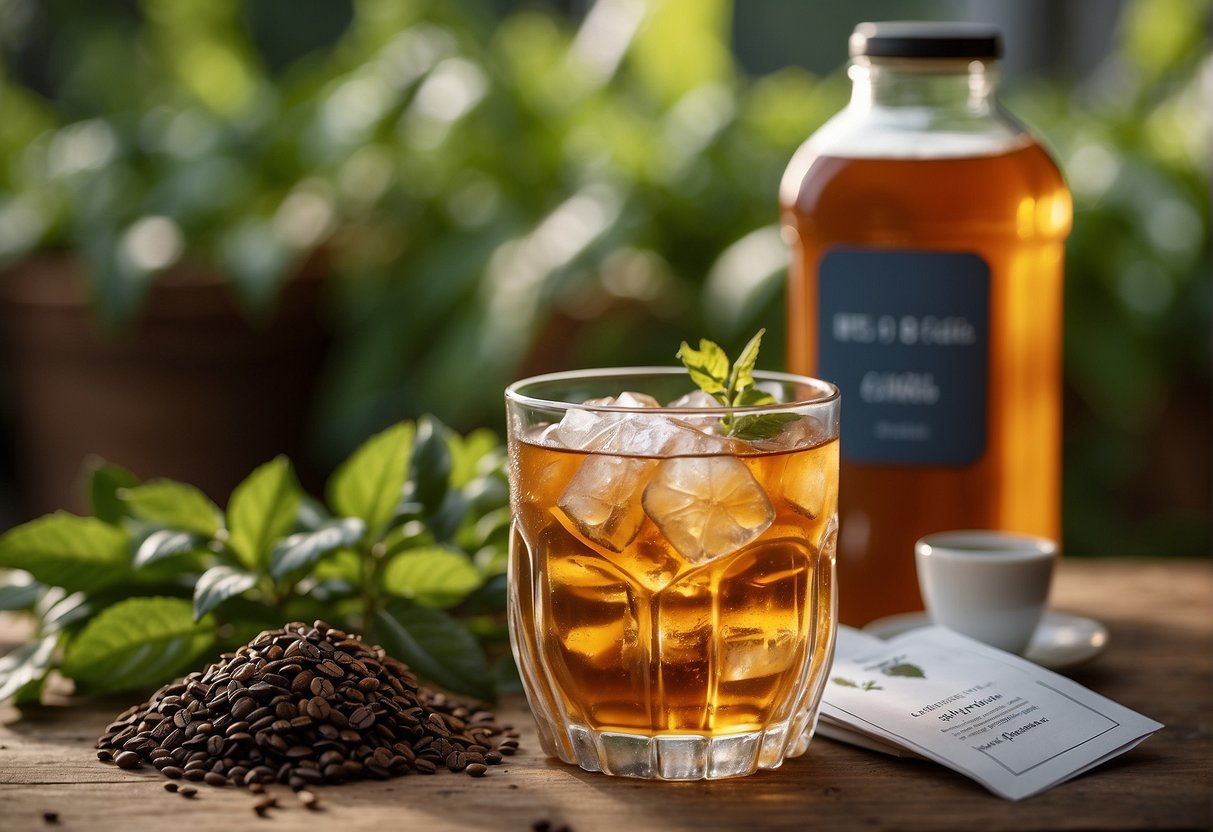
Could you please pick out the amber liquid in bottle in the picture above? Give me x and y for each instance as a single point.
(1012, 209)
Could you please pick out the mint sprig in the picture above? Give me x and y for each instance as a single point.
(733, 386)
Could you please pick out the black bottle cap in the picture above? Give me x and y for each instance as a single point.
(926, 39)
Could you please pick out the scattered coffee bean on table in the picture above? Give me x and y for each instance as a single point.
(303, 706)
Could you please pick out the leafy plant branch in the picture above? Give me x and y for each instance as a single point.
(408, 547)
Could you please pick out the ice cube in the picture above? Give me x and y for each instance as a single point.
(809, 480)
(600, 499)
(707, 507)
(630, 399)
(588, 430)
(754, 653)
(696, 398)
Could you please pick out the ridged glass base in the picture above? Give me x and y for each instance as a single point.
(679, 757)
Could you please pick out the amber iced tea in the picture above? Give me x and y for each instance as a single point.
(672, 589)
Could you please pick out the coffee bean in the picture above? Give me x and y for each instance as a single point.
(477, 769)
(362, 718)
(243, 707)
(187, 791)
(128, 759)
(170, 786)
(214, 778)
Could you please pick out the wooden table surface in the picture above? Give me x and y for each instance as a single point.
(1159, 661)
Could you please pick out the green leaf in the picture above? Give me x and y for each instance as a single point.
(467, 452)
(708, 366)
(58, 610)
(76, 553)
(302, 550)
(370, 484)
(430, 467)
(753, 397)
(26, 666)
(912, 671)
(756, 426)
(434, 577)
(18, 590)
(159, 544)
(312, 513)
(435, 646)
(506, 677)
(104, 483)
(445, 522)
(217, 584)
(846, 683)
(742, 377)
(261, 510)
(175, 505)
(138, 642)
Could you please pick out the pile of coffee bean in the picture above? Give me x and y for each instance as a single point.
(300, 706)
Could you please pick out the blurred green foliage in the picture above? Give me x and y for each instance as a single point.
(504, 194)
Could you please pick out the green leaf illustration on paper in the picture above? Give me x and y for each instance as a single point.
(904, 669)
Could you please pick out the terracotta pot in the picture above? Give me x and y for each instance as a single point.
(193, 391)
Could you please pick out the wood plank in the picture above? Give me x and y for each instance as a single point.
(1159, 661)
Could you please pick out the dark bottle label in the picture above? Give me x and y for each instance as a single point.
(905, 336)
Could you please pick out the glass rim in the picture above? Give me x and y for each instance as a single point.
(514, 394)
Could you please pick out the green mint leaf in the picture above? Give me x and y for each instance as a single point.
(846, 683)
(18, 591)
(301, 551)
(433, 576)
(370, 484)
(261, 510)
(217, 584)
(137, 643)
(76, 553)
(175, 505)
(742, 377)
(756, 426)
(158, 544)
(708, 366)
(430, 467)
(104, 483)
(752, 397)
(905, 669)
(24, 669)
(434, 645)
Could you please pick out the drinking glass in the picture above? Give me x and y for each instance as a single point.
(672, 601)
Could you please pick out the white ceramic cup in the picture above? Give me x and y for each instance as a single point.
(992, 586)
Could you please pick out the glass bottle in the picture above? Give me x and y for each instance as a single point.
(927, 232)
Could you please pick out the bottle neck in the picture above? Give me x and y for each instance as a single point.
(958, 88)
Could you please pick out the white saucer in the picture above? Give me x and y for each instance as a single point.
(1062, 640)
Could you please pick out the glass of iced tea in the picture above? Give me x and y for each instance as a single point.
(672, 598)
